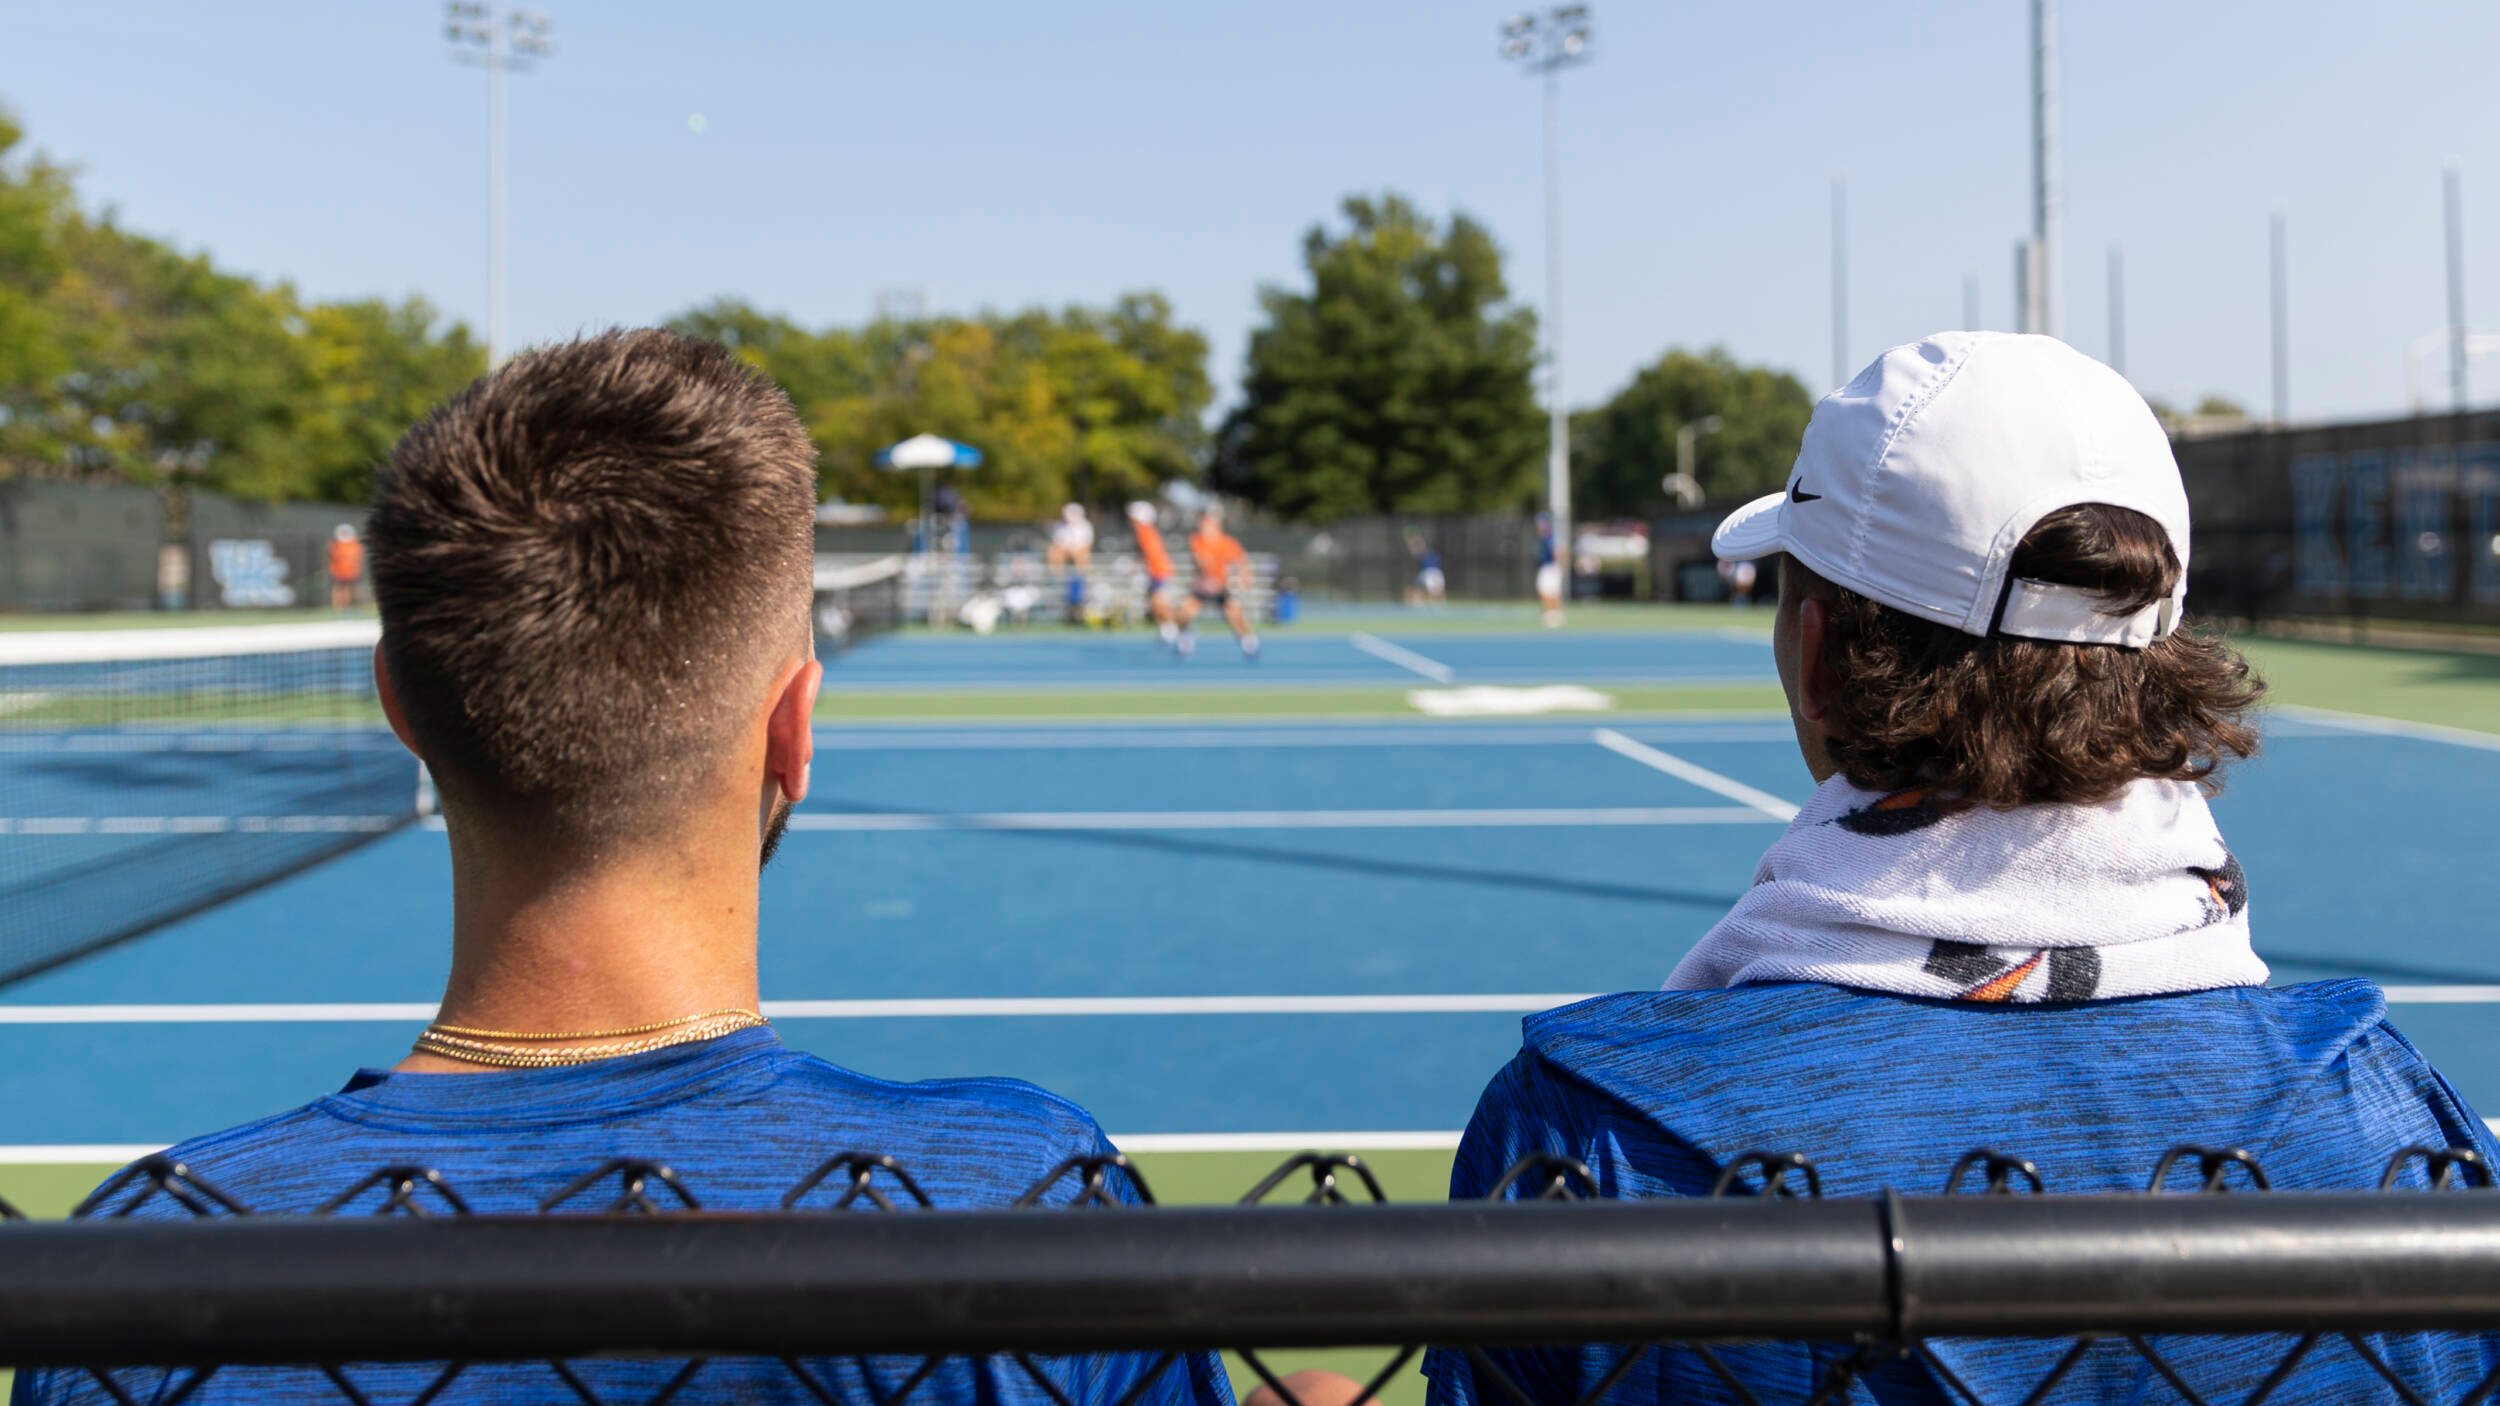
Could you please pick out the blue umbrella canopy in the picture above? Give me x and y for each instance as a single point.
(928, 451)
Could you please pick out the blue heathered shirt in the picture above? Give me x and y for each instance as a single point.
(740, 1119)
(1654, 1090)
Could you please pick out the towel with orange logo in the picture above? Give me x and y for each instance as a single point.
(2135, 896)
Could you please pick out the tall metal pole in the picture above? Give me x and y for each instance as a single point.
(2282, 301)
(1558, 421)
(2457, 349)
(2117, 310)
(1543, 45)
(1840, 283)
(2046, 211)
(497, 56)
(501, 38)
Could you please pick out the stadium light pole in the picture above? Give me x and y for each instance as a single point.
(2117, 310)
(1840, 283)
(1543, 46)
(2047, 209)
(2459, 354)
(499, 39)
(2281, 299)
(1687, 439)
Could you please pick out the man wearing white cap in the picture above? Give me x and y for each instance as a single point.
(2005, 918)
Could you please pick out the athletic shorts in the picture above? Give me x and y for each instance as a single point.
(1548, 579)
(1218, 599)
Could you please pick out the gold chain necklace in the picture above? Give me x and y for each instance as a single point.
(521, 1049)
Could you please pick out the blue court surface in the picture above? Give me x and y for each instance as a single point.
(1213, 931)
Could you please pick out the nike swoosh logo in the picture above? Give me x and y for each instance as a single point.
(1798, 494)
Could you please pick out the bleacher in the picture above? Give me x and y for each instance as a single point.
(1011, 589)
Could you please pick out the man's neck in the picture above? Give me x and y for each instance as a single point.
(629, 941)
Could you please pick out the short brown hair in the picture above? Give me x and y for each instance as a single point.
(2006, 721)
(585, 561)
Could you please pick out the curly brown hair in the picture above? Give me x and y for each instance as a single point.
(2004, 721)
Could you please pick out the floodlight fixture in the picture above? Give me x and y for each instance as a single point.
(499, 39)
(530, 31)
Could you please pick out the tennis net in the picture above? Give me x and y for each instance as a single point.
(857, 597)
(148, 774)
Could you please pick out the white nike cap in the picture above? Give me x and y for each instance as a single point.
(1917, 480)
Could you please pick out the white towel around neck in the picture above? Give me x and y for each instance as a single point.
(2135, 896)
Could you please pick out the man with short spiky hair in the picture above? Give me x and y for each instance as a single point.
(593, 568)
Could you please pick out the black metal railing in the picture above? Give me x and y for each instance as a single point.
(626, 1259)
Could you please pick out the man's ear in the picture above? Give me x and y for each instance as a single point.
(1818, 687)
(790, 731)
(390, 703)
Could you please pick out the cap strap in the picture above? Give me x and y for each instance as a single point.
(2044, 610)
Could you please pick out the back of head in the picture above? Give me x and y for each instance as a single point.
(2000, 533)
(589, 564)
(2003, 720)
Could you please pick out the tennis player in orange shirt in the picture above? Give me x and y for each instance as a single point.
(1158, 563)
(1222, 568)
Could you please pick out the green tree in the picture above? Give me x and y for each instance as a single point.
(35, 207)
(1399, 382)
(376, 367)
(121, 357)
(1622, 450)
(1089, 403)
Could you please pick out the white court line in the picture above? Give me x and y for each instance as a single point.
(198, 824)
(1527, 818)
(897, 1008)
(216, 1013)
(959, 1007)
(1288, 1142)
(1407, 659)
(1464, 734)
(2391, 727)
(1703, 777)
(114, 1154)
(1172, 1005)
(210, 642)
(102, 1154)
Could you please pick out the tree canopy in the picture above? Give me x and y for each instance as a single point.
(1400, 381)
(1622, 450)
(1095, 404)
(123, 358)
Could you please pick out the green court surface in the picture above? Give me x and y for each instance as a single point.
(2437, 687)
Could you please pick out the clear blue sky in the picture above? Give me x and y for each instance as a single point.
(995, 154)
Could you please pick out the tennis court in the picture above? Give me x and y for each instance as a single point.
(1223, 932)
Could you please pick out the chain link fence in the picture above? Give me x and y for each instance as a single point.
(2392, 519)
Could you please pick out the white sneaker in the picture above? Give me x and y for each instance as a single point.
(1187, 644)
(1249, 646)
(1168, 630)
